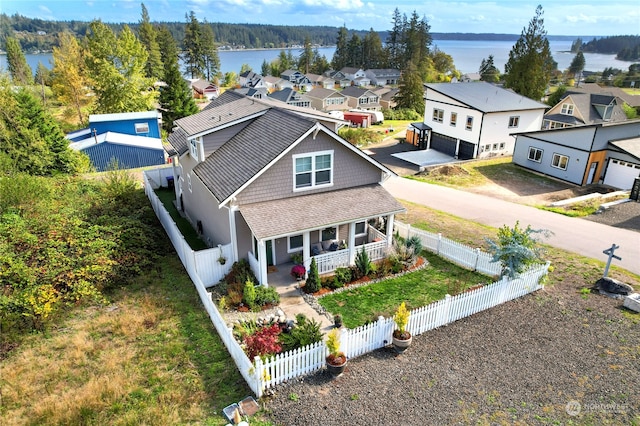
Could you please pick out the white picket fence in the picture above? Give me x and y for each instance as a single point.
(203, 262)
(370, 337)
(261, 375)
(460, 254)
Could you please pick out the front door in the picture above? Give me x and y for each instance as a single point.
(592, 172)
(269, 250)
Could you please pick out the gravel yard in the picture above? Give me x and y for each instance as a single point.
(521, 362)
(625, 215)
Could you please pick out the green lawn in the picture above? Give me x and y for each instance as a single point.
(419, 288)
(167, 196)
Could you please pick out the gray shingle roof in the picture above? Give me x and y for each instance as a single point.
(584, 102)
(178, 141)
(354, 91)
(220, 114)
(232, 165)
(321, 93)
(630, 146)
(486, 97)
(280, 217)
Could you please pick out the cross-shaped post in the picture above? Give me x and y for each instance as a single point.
(609, 252)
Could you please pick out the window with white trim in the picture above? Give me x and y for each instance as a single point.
(361, 228)
(501, 145)
(142, 127)
(329, 234)
(567, 109)
(194, 149)
(514, 121)
(560, 161)
(312, 170)
(494, 147)
(469, 124)
(189, 182)
(294, 243)
(535, 154)
(438, 115)
(454, 119)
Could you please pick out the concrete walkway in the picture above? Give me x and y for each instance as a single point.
(291, 301)
(573, 234)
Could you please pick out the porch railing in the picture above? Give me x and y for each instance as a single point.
(329, 262)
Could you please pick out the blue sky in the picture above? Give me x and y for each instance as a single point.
(566, 17)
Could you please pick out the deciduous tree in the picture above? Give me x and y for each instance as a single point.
(70, 80)
(528, 70)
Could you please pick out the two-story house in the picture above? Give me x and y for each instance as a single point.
(361, 98)
(477, 120)
(327, 100)
(273, 180)
(383, 76)
(320, 81)
(578, 109)
(291, 97)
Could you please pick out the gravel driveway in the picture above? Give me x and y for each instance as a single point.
(521, 362)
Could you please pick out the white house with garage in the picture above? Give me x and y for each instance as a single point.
(477, 120)
(607, 153)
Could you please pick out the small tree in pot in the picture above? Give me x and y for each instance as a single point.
(401, 337)
(336, 360)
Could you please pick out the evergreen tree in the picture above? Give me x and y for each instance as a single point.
(373, 53)
(42, 79)
(305, 60)
(576, 46)
(555, 97)
(341, 55)
(70, 80)
(193, 49)
(116, 67)
(210, 57)
(488, 71)
(410, 90)
(176, 98)
(20, 71)
(355, 51)
(320, 63)
(265, 70)
(528, 70)
(577, 65)
(394, 40)
(148, 38)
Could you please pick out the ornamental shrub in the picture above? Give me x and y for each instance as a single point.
(363, 264)
(249, 294)
(266, 296)
(517, 248)
(305, 332)
(264, 342)
(312, 284)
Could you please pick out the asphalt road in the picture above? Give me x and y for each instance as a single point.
(573, 234)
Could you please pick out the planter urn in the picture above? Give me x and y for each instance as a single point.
(336, 368)
(401, 345)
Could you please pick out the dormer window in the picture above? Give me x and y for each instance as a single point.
(195, 149)
(567, 109)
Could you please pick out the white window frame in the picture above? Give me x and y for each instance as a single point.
(189, 182)
(364, 226)
(335, 232)
(567, 109)
(194, 149)
(296, 249)
(558, 164)
(469, 123)
(514, 121)
(535, 151)
(438, 115)
(494, 147)
(453, 121)
(313, 170)
(502, 144)
(141, 127)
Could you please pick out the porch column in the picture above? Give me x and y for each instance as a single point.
(176, 182)
(390, 230)
(306, 252)
(457, 147)
(233, 233)
(352, 243)
(262, 261)
(428, 139)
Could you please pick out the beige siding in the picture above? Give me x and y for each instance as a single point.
(349, 170)
(244, 236)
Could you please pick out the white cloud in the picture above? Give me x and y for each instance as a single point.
(336, 4)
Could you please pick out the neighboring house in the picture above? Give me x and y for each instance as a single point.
(251, 79)
(327, 100)
(470, 77)
(361, 98)
(291, 97)
(383, 77)
(578, 109)
(387, 97)
(251, 92)
(631, 100)
(351, 73)
(276, 83)
(477, 120)
(132, 139)
(362, 82)
(202, 89)
(297, 78)
(272, 180)
(321, 81)
(339, 78)
(606, 153)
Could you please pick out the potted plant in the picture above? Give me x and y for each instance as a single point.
(222, 260)
(336, 360)
(401, 337)
(337, 320)
(298, 272)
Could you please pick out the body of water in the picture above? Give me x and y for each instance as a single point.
(467, 56)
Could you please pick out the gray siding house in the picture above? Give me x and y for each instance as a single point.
(274, 180)
(607, 153)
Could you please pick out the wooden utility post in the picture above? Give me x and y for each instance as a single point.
(609, 252)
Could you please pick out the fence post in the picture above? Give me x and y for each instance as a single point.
(408, 231)
(475, 265)
(504, 286)
(438, 246)
(260, 376)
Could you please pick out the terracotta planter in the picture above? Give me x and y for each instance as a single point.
(401, 345)
(336, 369)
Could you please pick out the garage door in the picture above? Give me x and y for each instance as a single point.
(443, 144)
(620, 174)
(466, 150)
